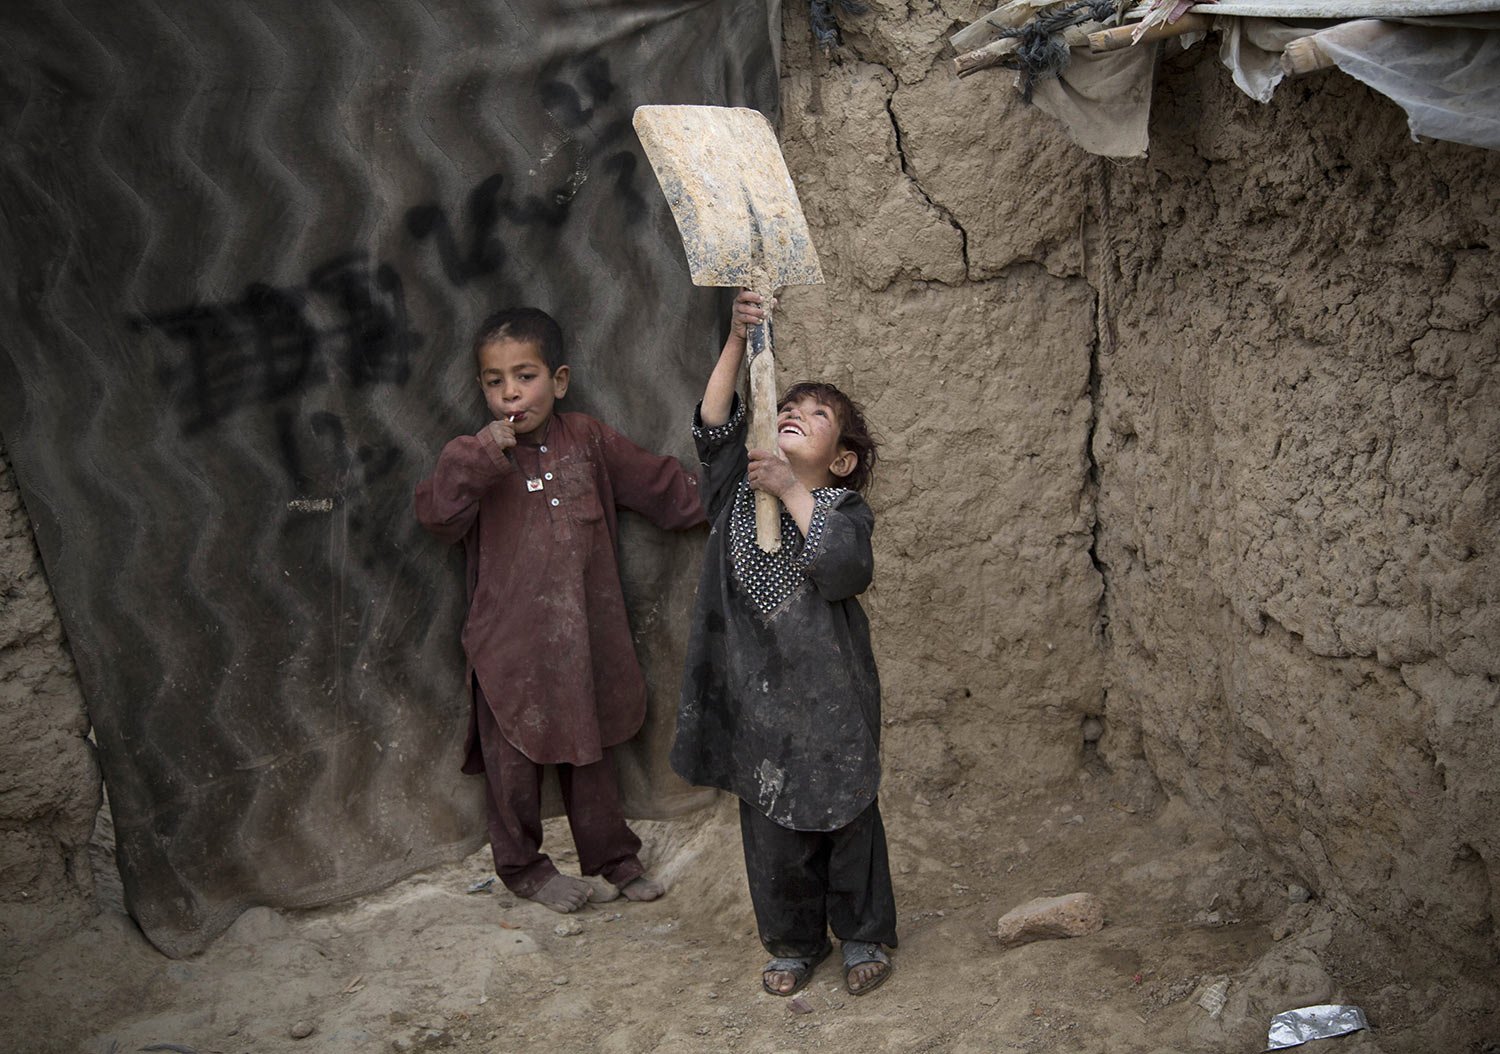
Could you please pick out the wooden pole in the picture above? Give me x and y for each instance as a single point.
(994, 54)
(981, 31)
(1304, 56)
(1124, 36)
(983, 58)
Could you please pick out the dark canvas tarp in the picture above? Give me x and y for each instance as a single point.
(244, 245)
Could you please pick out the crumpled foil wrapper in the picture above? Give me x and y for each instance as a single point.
(1292, 1028)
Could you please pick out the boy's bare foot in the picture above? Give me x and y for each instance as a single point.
(562, 894)
(782, 976)
(642, 888)
(863, 977)
(601, 892)
(780, 982)
(866, 966)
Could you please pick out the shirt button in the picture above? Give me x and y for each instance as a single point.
(543, 448)
(546, 475)
(554, 501)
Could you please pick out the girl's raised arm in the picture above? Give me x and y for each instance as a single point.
(718, 396)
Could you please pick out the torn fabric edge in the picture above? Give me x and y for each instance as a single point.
(1444, 73)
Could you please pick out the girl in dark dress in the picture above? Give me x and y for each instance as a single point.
(781, 700)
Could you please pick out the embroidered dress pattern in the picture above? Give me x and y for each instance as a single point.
(718, 434)
(769, 578)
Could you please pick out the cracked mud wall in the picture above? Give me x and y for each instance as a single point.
(1299, 449)
(49, 783)
(1285, 607)
(968, 342)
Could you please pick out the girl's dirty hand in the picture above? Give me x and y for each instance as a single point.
(503, 432)
(750, 309)
(770, 472)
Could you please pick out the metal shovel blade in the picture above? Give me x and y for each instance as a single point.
(722, 172)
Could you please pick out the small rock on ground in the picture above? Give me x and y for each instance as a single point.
(1072, 915)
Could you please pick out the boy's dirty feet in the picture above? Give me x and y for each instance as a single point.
(782, 976)
(562, 894)
(866, 966)
(641, 889)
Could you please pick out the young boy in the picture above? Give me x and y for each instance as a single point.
(533, 497)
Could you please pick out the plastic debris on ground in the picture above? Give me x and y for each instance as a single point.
(1293, 1028)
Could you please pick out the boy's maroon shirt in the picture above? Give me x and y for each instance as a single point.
(546, 633)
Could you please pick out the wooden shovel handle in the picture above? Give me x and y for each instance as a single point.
(763, 431)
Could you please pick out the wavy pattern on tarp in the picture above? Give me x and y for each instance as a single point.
(243, 246)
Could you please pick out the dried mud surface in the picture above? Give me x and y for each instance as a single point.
(426, 965)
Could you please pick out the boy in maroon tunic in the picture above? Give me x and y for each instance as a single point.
(533, 497)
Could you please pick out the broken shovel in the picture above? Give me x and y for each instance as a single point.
(742, 226)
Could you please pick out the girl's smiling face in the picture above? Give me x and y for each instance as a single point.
(517, 385)
(807, 433)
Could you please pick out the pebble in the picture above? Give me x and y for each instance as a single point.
(1072, 915)
(568, 928)
(1298, 894)
(559, 980)
(301, 1030)
(921, 799)
(797, 1005)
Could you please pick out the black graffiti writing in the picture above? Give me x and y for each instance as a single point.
(267, 344)
(348, 322)
(485, 253)
(576, 92)
(376, 335)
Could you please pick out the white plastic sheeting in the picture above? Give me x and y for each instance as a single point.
(1444, 72)
(1447, 80)
(1344, 8)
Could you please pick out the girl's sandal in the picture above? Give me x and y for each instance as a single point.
(857, 953)
(800, 969)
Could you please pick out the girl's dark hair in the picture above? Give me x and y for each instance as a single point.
(854, 434)
(526, 324)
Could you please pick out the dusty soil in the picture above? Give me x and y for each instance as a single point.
(427, 965)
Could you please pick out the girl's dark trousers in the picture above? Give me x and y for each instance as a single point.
(804, 882)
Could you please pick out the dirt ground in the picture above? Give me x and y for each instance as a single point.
(429, 965)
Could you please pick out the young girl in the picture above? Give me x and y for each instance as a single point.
(781, 702)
